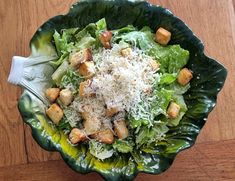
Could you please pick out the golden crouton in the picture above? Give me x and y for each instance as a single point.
(173, 110)
(76, 136)
(126, 52)
(154, 64)
(66, 96)
(163, 36)
(120, 128)
(104, 136)
(82, 56)
(85, 90)
(184, 76)
(86, 115)
(87, 69)
(111, 111)
(52, 94)
(91, 125)
(105, 38)
(55, 113)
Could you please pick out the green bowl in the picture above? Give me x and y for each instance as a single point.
(209, 77)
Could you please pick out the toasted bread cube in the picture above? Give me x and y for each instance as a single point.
(120, 128)
(173, 110)
(82, 88)
(66, 96)
(85, 90)
(91, 124)
(52, 94)
(55, 113)
(111, 111)
(126, 52)
(163, 36)
(184, 76)
(154, 64)
(82, 56)
(87, 69)
(104, 136)
(77, 135)
(105, 38)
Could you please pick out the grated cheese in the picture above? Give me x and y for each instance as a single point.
(120, 82)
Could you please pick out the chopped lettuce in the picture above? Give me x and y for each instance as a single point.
(64, 125)
(63, 42)
(72, 116)
(137, 123)
(123, 30)
(172, 57)
(71, 79)
(160, 104)
(73, 40)
(147, 135)
(177, 88)
(100, 150)
(60, 72)
(123, 146)
(167, 78)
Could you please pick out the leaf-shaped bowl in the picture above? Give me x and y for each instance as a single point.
(209, 77)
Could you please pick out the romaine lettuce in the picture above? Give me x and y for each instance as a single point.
(100, 150)
(73, 40)
(172, 57)
(123, 146)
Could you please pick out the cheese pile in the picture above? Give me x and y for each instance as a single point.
(121, 82)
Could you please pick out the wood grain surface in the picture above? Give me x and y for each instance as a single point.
(200, 163)
(212, 158)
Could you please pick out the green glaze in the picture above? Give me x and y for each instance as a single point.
(209, 77)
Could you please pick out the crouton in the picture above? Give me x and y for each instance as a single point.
(163, 36)
(85, 90)
(111, 111)
(104, 136)
(120, 128)
(66, 96)
(77, 135)
(91, 125)
(105, 38)
(79, 57)
(173, 110)
(126, 52)
(86, 115)
(87, 69)
(52, 94)
(55, 113)
(154, 64)
(184, 76)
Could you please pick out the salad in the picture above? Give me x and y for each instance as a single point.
(117, 91)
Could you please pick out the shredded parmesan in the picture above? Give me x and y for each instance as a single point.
(121, 82)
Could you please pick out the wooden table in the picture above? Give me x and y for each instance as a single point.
(213, 156)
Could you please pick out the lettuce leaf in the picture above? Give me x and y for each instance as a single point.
(167, 78)
(73, 40)
(177, 88)
(100, 150)
(153, 134)
(64, 41)
(172, 57)
(71, 79)
(160, 104)
(123, 146)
